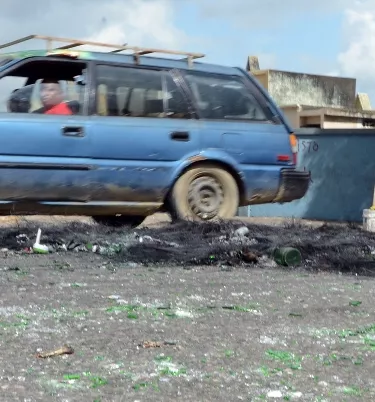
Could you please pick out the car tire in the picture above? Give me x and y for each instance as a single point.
(204, 193)
(119, 221)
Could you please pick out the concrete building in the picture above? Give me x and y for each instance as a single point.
(310, 100)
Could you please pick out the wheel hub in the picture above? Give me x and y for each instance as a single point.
(205, 197)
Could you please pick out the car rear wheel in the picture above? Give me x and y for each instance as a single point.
(204, 193)
(119, 221)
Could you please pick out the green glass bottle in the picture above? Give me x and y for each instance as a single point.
(287, 256)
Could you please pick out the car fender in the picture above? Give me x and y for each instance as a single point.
(217, 156)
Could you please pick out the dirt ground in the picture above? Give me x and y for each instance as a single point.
(214, 334)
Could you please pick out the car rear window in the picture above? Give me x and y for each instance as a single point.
(224, 98)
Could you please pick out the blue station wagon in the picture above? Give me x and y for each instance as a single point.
(119, 136)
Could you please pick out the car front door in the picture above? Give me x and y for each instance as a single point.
(141, 132)
(43, 157)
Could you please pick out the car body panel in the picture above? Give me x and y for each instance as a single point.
(254, 148)
(137, 156)
(38, 162)
(127, 164)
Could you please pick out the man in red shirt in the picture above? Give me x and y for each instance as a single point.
(52, 98)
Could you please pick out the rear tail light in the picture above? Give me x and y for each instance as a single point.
(283, 158)
(294, 145)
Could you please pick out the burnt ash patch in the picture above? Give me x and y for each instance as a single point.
(342, 248)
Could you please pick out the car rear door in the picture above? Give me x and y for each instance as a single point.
(235, 122)
(141, 133)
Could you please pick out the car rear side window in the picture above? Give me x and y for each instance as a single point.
(224, 98)
(135, 92)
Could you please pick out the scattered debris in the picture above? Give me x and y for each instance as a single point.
(242, 231)
(37, 247)
(250, 256)
(22, 238)
(343, 248)
(274, 394)
(170, 343)
(295, 314)
(153, 344)
(114, 297)
(150, 344)
(65, 350)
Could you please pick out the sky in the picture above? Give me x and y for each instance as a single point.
(334, 37)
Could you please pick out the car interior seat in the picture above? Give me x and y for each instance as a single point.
(154, 108)
(19, 101)
(112, 106)
(177, 108)
(74, 106)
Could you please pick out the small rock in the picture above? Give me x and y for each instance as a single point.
(274, 394)
(323, 384)
(114, 297)
(296, 395)
(267, 340)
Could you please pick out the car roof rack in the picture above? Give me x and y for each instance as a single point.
(73, 43)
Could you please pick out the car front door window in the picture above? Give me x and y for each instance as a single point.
(41, 86)
(45, 156)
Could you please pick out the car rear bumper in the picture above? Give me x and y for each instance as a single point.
(293, 185)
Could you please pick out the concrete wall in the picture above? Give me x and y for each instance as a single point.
(288, 88)
(306, 121)
(342, 166)
(298, 119)
(262, 77)
(341, 122)
(292, 114)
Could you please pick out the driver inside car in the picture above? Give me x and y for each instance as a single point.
(52, 98)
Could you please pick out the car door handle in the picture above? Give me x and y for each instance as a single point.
(180, 136)
(71, 131)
